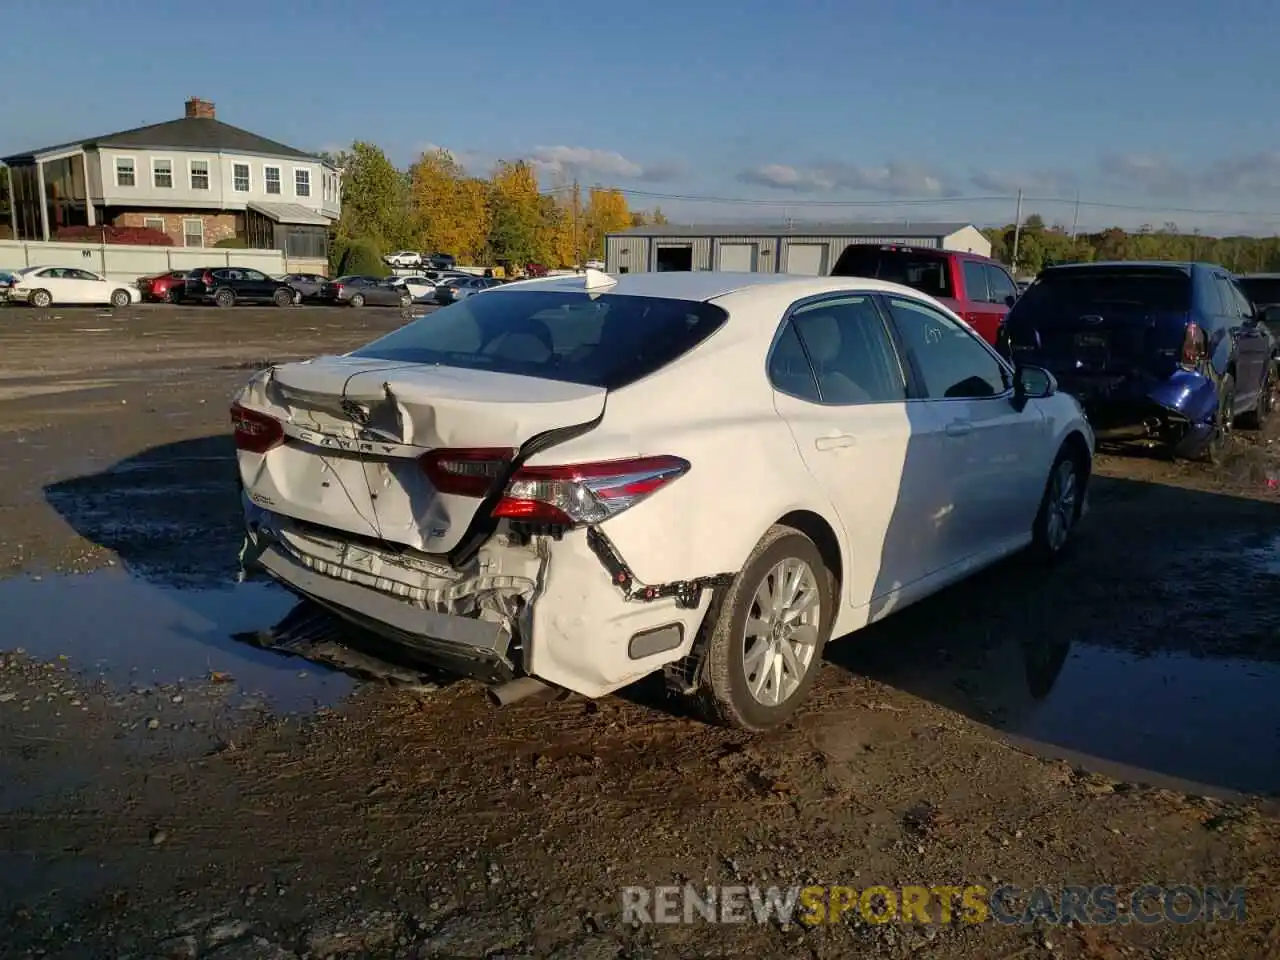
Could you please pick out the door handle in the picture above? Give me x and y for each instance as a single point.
(835, 442)
(959, 428)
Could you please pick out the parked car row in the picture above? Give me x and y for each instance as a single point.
(411, 258)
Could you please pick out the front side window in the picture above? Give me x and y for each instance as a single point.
(199, 174)
(240, 177)
(605, 341)
(126, 172)
(253, 275)
(949, 360)
(1000, 284)
(162, 173)
(302, 183)
(852, 356)
(271, 179)
(975, 282)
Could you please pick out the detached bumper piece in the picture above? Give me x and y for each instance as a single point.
(458, 645)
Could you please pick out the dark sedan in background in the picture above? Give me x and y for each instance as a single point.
(308, 285)
(227, 286)
(360, 291)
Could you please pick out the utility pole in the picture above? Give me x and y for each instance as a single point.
(1017, 231)
(577, 247)
(1075, 220)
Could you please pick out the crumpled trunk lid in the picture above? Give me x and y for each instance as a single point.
(356, 429)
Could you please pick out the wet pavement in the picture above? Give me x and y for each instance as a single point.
(133, 631)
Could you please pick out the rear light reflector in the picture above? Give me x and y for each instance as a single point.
(470, 472)
(255, 432)
(585, 492)
(1193, 348)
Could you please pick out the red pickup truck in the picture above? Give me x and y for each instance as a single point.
(978, 288)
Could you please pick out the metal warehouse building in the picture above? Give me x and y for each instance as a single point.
(810, 248)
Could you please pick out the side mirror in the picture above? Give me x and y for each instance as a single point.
(1032, 383)
(1270, 314)
(1009, 300)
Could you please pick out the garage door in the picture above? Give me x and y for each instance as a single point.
(806, 258)
(738, 257)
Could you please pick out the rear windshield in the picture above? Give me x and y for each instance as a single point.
(1263, 291)
(604, 341)
(1151, 289)
(926, 272)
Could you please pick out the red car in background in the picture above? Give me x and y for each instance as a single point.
(977, 288)
(161, 288)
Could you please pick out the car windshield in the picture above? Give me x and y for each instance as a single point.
(605, 341)
(923, 271)
(1263, 291)
(1080, 288)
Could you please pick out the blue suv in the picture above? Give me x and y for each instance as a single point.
(1170, 353)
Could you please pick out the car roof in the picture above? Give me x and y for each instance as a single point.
(1184, 265)
(710, 284)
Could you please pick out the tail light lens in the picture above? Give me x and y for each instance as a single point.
(466, 472)
(585, 492)
(1193, 348)
(255, 432)
(337, 289)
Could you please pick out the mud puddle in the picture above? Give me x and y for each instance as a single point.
(1203, 720)
(135, 631)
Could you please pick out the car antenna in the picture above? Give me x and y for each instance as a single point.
(598, 279)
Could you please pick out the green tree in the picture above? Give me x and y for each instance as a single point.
(375, 198)
(515, 213)
(361, 257)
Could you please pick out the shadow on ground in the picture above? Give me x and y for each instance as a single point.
(1153, 645)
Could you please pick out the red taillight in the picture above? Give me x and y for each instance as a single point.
(585, 492)
(255, 432)
(337, 289)
(468, 472)
(1193, 348)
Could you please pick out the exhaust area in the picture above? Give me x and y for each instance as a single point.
(521, 688)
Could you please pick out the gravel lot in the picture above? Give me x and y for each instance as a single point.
(169, 790)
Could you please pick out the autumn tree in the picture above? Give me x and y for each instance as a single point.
(516, 211)
(606, 213)
(450, 211)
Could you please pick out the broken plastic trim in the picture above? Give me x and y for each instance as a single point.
(687, 593)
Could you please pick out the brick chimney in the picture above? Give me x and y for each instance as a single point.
(201, 109)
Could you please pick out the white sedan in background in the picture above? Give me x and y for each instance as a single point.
(43, 286)
(574, 482)
(420, 288)
(403, 258)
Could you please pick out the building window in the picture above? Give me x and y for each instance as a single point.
(271, 177)
(126, 172)
(302, 183)
(154, 223)
(240, 177)
(193, 233)
(199, 174)
(162, 174)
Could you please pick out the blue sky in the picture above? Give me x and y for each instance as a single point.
(801, 106)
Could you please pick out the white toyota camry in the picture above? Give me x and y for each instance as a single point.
(574, 482)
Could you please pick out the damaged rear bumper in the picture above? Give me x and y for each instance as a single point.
(548, 609)
(1178, 410)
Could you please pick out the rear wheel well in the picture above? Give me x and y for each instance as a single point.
(824, 538)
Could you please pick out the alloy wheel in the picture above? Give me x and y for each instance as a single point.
(781, 632)
(1063, 493)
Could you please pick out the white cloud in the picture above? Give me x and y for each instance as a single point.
(563, 161)
(1151, 174)
(894, 179)
(1035, 182)
(1254, 174)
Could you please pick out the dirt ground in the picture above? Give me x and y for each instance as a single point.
(166, 791)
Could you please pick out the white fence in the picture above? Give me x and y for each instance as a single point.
(128, 262)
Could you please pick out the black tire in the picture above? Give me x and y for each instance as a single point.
(1057, 517)
(1257, 418)
(172, 296)
(40, 299)
(1215, 451)
(357, 300)
(284, 297)
(120, 298)
(723, 695)
(224, 298)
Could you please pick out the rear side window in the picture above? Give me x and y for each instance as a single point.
(789, 369)
(1082, 288)
(1000, 284)
(975, 282)
(1263, 291)
(920, 270)
(603, 341)
(852, 356)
